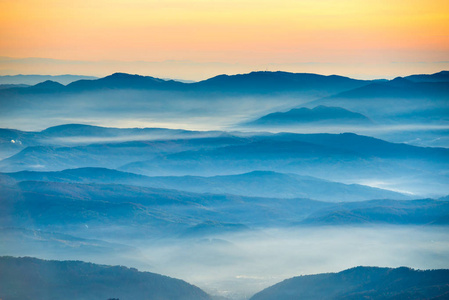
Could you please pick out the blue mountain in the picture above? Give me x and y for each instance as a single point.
(320, 115)
(442, 76)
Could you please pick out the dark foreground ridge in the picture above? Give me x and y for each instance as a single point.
(363, 283)
(31, 278)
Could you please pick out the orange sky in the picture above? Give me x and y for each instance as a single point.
(229, 31)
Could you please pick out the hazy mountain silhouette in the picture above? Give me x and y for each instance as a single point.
(383, 211)
(133, 210)
(363, 283)
(225, 99)
(140, 210)
(255, 82)
(277, 82)
(328, 156)
(110, 154)
(348, 156)
(45, 86)
(12, 140)
(211, 228)
(27, 242)
(442, 76)
(11, 86)
(82, 130)
(54, 280)
(35, 79)
(124, 81)
(319, 115)
(389, 100)
(253, 184)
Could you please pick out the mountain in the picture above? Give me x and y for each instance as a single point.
(46, 86)
(279, 82)
(255, 82)
(125, 81)
(94, 133)
(442, 76)
(11, 86)
(363, 283)
(35, 79)
(53, 206)
(320, 115)
(54, 280)
(394, 100)
(227, 99)
(22, 241)
(425, 212)
(121, 209)
(253, 184)
(12, 140)
(334, 157)
(111, 154)
(210, 228)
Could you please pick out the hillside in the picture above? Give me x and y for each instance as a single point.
(362, 283)
(35, 279)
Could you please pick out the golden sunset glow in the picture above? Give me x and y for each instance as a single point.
(230, 31)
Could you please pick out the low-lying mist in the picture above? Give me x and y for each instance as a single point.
(135, 108)
(237, 265)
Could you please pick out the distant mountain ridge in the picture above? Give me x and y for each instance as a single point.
(163, 212)
(442, 76)
(320, 115)
(254, 82)
(393, 99)
(123, 80)
(35, 79)
(353, 157)
(253, 184)
(280, 81)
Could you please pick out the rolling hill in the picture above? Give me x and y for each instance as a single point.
(320, 115)
(363, 283)
(54, 280)
(253, 184)
(122, 209)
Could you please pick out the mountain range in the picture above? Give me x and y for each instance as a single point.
(255, 82)
(35, 79)
(229, 201)
(355, 158)
(398, 99)
(253, 184)
(118, 209)
(233, 100)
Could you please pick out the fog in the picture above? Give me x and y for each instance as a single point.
(240, 264)
(199, 112)
(149, 109)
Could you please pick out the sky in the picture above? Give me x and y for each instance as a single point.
(193, 39)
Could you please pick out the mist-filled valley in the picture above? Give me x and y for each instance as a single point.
(232, 184)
